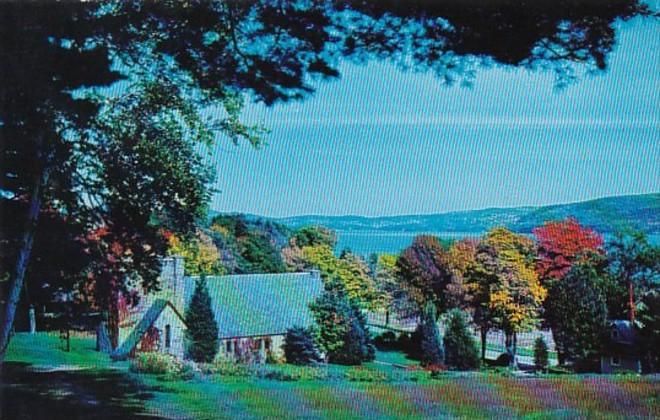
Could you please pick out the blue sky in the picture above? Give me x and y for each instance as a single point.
(381, 141)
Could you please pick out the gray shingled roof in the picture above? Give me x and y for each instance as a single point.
(261, 304)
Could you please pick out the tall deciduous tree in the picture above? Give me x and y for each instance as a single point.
(580, 314)
(424, 272)
(506, 287)
(460, 257)
(560, 245)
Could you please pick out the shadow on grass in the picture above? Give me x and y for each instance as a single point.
(83, 394)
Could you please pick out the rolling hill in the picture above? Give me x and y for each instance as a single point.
(606, 215)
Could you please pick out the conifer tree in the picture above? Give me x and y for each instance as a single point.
(460, 350)
(299, 347)
(432, 349)
(342, 327)
(540, 353)
(202, 332)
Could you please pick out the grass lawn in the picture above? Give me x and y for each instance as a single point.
(40, 380)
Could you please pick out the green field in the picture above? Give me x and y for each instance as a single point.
(40, 380)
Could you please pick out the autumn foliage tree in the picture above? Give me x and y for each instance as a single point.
(424, 272)
(349, 270)
(560, 245)
(506, 288)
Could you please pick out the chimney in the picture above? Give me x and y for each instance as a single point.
(172, 280)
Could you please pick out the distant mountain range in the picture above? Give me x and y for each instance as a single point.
(606, 215)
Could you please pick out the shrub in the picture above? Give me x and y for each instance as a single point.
(293, 373)
(503, 360)
(360, 374)
(540, 354)
(299, 347)
(230, 369)
(150, 362)
(273, 372)
(411, 343)
(161, 364)
(460, 350)
(202, 332)
(386, 341)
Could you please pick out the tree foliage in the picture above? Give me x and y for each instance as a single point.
(560, 245)
(432, 350)
(200, 254)
(541, 354)
(460, 350)
(424, 272)
(460, 257)
(314, 236)
(580, 314)
(350, 271)
(506, 290)
(649, 332)
(342, 329)
(249, 246)
(299, 346)
(634, 266)
(202, 331)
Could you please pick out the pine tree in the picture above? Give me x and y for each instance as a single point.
(460, 350)
(432, 349)
(299, 346)
(540, 353)
(202, 332)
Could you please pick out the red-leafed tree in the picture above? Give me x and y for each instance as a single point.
(560, 245)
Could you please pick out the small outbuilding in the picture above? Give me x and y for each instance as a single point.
(620, 352)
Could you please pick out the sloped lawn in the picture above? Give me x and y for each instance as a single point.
(40, 380)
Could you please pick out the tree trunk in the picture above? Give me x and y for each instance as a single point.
(631, 302)
(113, 320)
(24, 253)
(484, 337)
(33, 320)
(103, 343)
(510, 344)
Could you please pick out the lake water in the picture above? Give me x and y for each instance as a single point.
(366, 243)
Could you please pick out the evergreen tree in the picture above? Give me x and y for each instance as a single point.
(579, 314)
(540, 354)
(431, 346)
(460, 350)
(299, 346)
(202, 332)
(342, 328)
